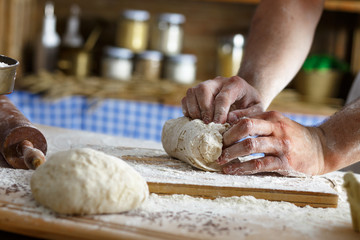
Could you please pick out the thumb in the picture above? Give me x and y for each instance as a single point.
(235, 115)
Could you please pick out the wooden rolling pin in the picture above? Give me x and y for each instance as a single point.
(21, 144)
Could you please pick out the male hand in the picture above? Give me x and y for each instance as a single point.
(287, 146)
(221, 100)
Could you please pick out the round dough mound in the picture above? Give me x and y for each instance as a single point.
(194, 142)
(86, 181)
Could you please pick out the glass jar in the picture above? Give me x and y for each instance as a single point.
(167, 35)
(181, 68)
(117, 63)
(148, 66)
(230, 51)
(132, 32)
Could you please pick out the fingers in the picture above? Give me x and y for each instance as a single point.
(199, 100)
(271, 116)
(230, 92)
(235, 115)
(184, 107)
(265, 164)
(192, 106)
(205, 99)
(247, 127)
(266, 145)
(212, 99)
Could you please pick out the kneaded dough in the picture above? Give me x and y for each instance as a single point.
(194, 142)
(85, 181)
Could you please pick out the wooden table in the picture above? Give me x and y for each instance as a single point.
(177, 216)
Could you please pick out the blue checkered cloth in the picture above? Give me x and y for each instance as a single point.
(140, 120)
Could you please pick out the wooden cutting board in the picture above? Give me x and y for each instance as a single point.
(20, 213)
(166, 175)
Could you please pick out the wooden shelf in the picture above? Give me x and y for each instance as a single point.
(343, 6)
(290, 101)
(331, 5)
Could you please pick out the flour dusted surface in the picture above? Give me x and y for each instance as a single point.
(225, 218)
(184, 217)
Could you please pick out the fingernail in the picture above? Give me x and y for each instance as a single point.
(217, 119)
(206, 119)
(220, 160)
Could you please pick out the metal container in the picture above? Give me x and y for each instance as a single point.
(7, 74)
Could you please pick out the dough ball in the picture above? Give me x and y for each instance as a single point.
(194, 142)
(86, 181)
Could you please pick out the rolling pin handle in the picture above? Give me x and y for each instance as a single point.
(33, 157)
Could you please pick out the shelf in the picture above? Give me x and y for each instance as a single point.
(330, 5)
(343, 6)
(290, 101)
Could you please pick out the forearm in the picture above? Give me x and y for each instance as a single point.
(341, 138)
(280, 37)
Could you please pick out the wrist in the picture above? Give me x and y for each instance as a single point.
(324, 152)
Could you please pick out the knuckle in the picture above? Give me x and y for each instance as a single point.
(222, 97)
(202, 87)
(189, 92)
(258, 165)
(250, 145)
(235, 79)
(286, 146)
(247, 124)
(274, 115)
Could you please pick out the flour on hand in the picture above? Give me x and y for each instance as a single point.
(85, 181)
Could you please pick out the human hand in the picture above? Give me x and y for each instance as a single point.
(221, 100)
(287, 146)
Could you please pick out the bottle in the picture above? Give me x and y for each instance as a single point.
(47, 48)
(229, 55)
(132, 32)
(72, 37)
(167, 36)
(73, 60)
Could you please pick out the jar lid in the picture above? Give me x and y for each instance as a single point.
(117, 52)
(151, 55)
(174, 18)
(137, 15)
(190, 58)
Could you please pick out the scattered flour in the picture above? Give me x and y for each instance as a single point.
(181, 216)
